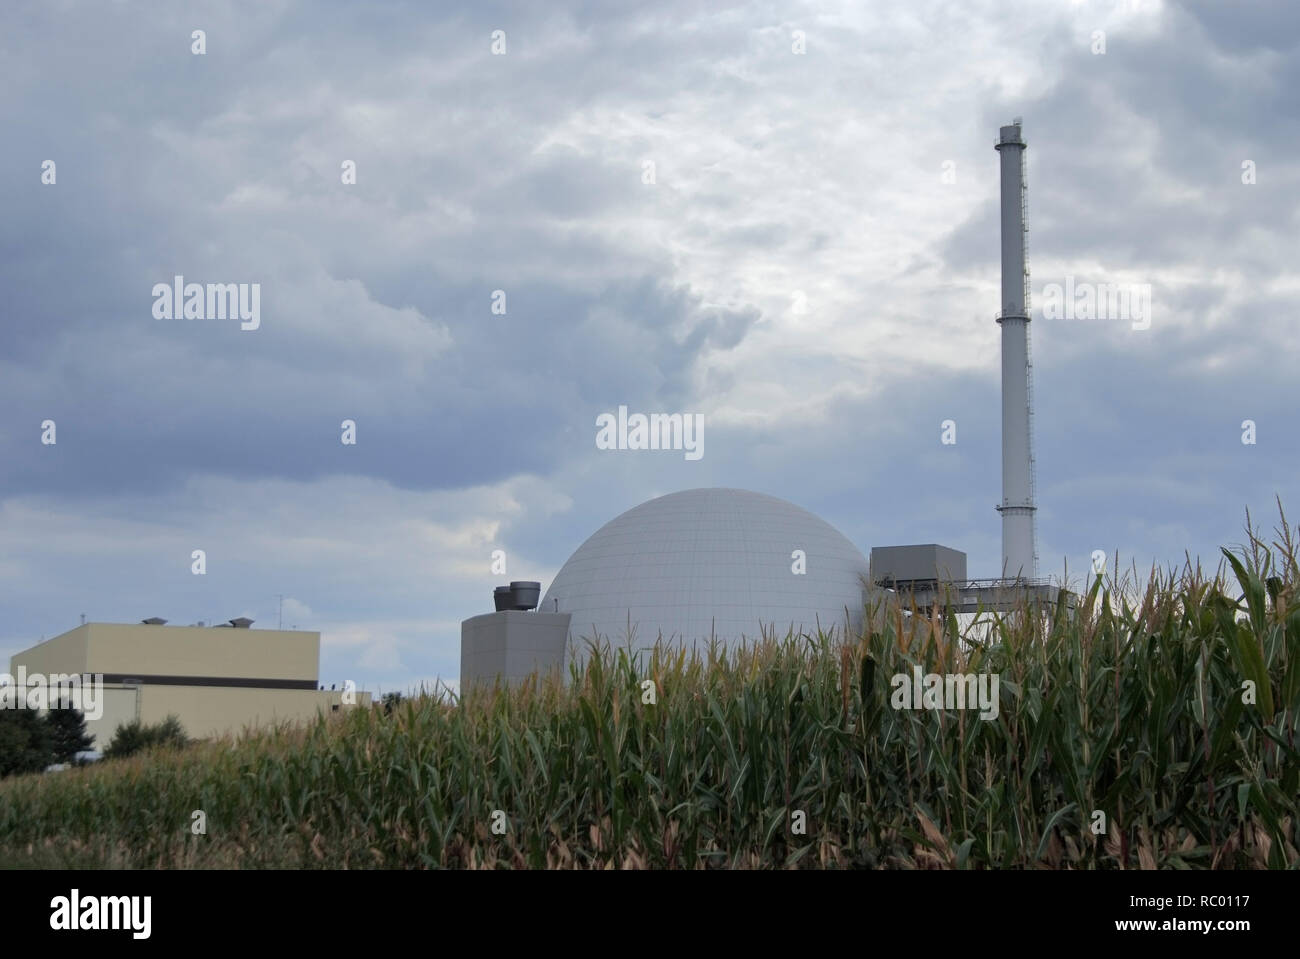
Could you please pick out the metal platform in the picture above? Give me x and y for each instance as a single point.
(976, 595)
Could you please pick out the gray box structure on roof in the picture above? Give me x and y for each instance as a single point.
(510, 644)
(927, 563)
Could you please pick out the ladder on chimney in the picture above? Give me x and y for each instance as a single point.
(1029, 362)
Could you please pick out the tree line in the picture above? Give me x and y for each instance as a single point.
(32, 741)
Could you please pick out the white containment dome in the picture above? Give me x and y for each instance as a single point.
(709, 562)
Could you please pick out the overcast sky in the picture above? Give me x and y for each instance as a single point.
(814, 268)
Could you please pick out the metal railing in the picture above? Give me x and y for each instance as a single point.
(964, 585)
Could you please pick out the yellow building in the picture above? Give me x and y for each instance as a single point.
(216, 680)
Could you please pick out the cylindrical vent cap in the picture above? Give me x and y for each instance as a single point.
(526, 594)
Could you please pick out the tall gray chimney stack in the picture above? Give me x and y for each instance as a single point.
(1019, 546)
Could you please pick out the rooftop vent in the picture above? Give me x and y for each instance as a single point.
(519, 595)
(504, 598)
(154, 621)
(526, 593)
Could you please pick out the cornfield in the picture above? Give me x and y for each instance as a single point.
(1152, 727)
